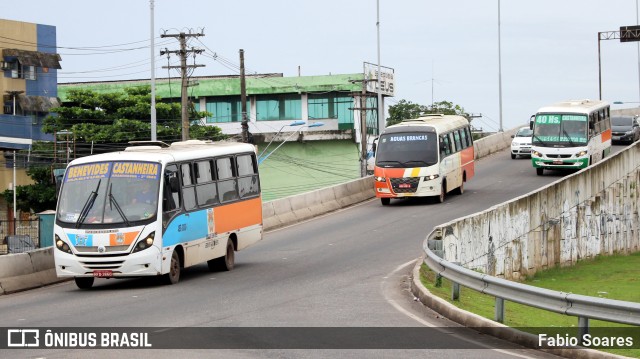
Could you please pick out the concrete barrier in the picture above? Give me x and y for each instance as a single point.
(27, 270)
(34, 269)
(589, 213)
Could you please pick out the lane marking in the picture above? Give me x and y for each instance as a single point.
(441, 329)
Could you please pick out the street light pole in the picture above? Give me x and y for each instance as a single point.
(294, 123)
(316, 124)
(153, 76)
(638, 47)
(499, 71)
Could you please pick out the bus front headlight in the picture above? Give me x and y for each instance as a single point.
(536, 154)
(431, 177)
(145, 243)
(381, 179)
(62, 245)
(581, 153)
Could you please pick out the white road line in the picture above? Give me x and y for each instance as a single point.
(427, 324)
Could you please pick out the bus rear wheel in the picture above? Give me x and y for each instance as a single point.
(174, 269)
(225, 263)
(84, 282)
(540, 171)
(385, 201)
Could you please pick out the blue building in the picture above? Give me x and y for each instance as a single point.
(29, 81)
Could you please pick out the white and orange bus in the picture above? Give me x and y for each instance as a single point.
(154, 209)
(428, 156)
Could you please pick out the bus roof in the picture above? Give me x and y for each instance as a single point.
(435, 122)
(574, 106)
(177, 151)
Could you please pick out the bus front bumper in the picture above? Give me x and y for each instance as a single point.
(143, 263)
(407, 187)
(569, 163)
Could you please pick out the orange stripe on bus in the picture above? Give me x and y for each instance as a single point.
(606, 136)
(129, 237)
(232, 216)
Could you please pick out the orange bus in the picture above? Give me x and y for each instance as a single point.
(154, 209)
(428, 156)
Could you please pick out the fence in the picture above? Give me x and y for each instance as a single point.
(17, 236)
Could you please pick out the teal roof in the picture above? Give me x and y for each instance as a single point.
(230, 86)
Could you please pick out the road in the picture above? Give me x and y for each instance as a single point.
(346, 269)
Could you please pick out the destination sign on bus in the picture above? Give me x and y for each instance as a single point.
(407, 138)
(120, 169)
(136, 170)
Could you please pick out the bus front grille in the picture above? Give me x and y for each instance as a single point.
(405, 184)
(90, 265)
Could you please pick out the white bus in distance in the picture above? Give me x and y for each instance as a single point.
(570, 135)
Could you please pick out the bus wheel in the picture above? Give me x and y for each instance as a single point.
(84, 282)
(385, 201)
(225, 263)
(539, 171)
(443, 192)
(174, 269)
(460, 190)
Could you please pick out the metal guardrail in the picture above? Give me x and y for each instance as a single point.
(581, 306)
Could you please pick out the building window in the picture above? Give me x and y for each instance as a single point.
(278, 107)
(331, 105)
(19, 71)
(225, 109)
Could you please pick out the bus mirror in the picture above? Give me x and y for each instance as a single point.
(174, 184)
(591, 125)
(443, 146)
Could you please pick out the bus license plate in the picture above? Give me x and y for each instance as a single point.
(103, 273)
(404, 185)
(558, 162)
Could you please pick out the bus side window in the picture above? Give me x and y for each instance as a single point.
(226, 179)
(456, 136)
(463, 136)
(248, 183)
(445, 148)
(206, 188)
(170, 193)
(188, 189)
(452, 144)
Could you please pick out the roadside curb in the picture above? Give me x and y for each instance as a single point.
(490, 327)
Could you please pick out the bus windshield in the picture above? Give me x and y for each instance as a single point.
(560, 130)
(410, 149)
(120, 192)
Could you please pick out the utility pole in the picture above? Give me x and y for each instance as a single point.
(363, 95)
(243, 100)
(183, 52)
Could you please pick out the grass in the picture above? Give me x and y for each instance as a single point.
(613, 277)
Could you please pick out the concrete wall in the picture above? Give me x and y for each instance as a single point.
(34, 269)
(589, 213)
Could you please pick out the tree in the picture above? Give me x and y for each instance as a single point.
(114, 119)
(405, 110)
(36, 197)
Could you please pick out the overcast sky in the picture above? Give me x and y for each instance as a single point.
(549, 47)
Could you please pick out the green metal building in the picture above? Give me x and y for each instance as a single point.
(273, 101)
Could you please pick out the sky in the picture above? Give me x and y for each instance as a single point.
(439, 50)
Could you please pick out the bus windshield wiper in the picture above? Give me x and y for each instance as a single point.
(417, 161)
(87, 205)
(539, 140)
(112, 201)
(568, 137)
(381, 162)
